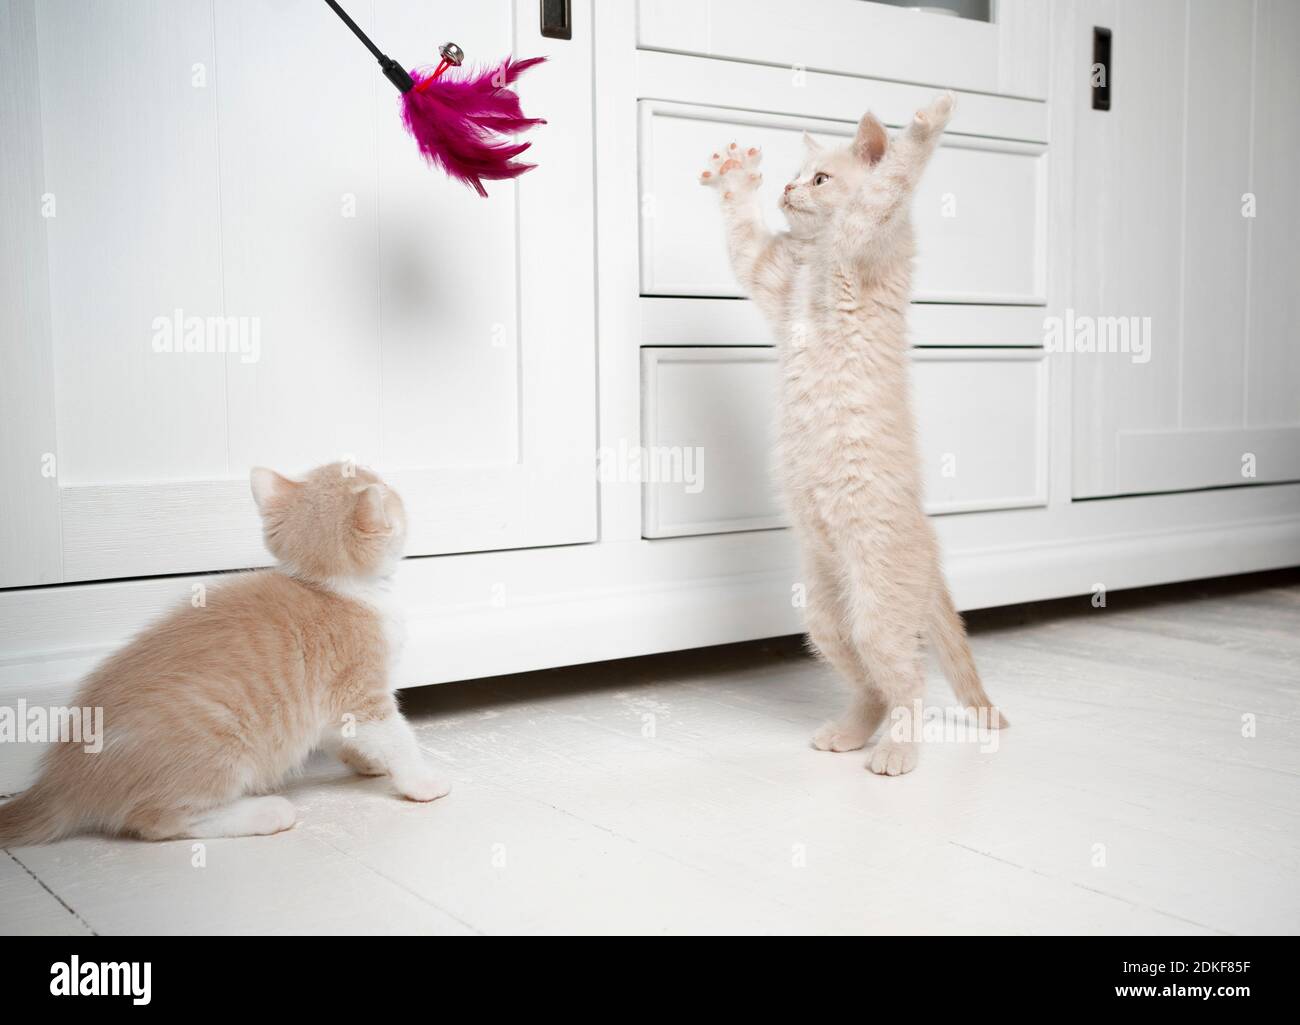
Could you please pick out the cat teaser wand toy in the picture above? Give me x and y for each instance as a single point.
(460, 123)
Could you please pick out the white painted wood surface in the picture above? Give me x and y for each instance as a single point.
(851, 37)
(709, 415)
(1272, 351)
(673, 320)
(675, 78)
(1188, 458)
(979, 212)
(1188, 217)
(680, 795)
(712, 411)
(29, 908)
(394, 322)
(31, 551)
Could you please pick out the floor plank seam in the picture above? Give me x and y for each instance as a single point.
(317, 834)
(41, 883)
(1134, 905)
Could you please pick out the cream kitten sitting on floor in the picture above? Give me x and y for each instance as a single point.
(836, 288)
(211, 708)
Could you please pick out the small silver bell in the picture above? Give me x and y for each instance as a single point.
(452, 54)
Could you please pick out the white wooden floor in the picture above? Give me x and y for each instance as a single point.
(679, 794)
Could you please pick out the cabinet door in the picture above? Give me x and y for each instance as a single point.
(1184, 318)
(237, 185)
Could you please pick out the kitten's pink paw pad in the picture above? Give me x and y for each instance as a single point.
(737, 167)
(834, 737)
(422, 788)
(892, 758)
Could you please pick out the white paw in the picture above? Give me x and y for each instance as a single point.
(735, 169)
(424, 786)
(935, 117)
(272, 815)
(893, 757)
(836, 737)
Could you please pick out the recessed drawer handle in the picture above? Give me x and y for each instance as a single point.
(1100, 77)
(557, 19)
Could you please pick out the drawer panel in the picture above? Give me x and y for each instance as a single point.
(1007, 54)
(668, 320)
(980, 212)
(708, 416)
(714, 410)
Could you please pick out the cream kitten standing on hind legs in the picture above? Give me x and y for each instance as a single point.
(836, 288)
(210, 709)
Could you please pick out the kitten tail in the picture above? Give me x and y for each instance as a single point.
(30, 818)
(947, 636)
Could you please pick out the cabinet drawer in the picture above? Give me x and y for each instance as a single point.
(708, 416)
(980, 211)
(1005, 54)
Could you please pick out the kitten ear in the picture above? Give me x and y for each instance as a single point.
(370, 516)
(811, 144)
(872, 139)
(269, 487)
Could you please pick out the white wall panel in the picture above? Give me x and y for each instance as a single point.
(30, 546)
(128, 102)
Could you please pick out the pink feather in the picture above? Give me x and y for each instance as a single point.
(460, 122)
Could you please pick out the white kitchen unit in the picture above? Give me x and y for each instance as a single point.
(564, 379)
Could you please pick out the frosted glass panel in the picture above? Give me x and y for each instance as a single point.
(976, 10)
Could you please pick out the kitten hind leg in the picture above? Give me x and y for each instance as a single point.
(248, 816)
(893, 650)
(825, 621)
(854, 727)
(245, 816)
(899, 748)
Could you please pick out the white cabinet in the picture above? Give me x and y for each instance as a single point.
(453, 341)
(351, 302)
(1184, 303)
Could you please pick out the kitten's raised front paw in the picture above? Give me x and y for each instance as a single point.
(893, 757)
(936, 116)
(735, 169)
(835, 736)
(421, 787)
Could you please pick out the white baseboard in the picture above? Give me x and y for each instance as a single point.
(630, 621)
(619, 614)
